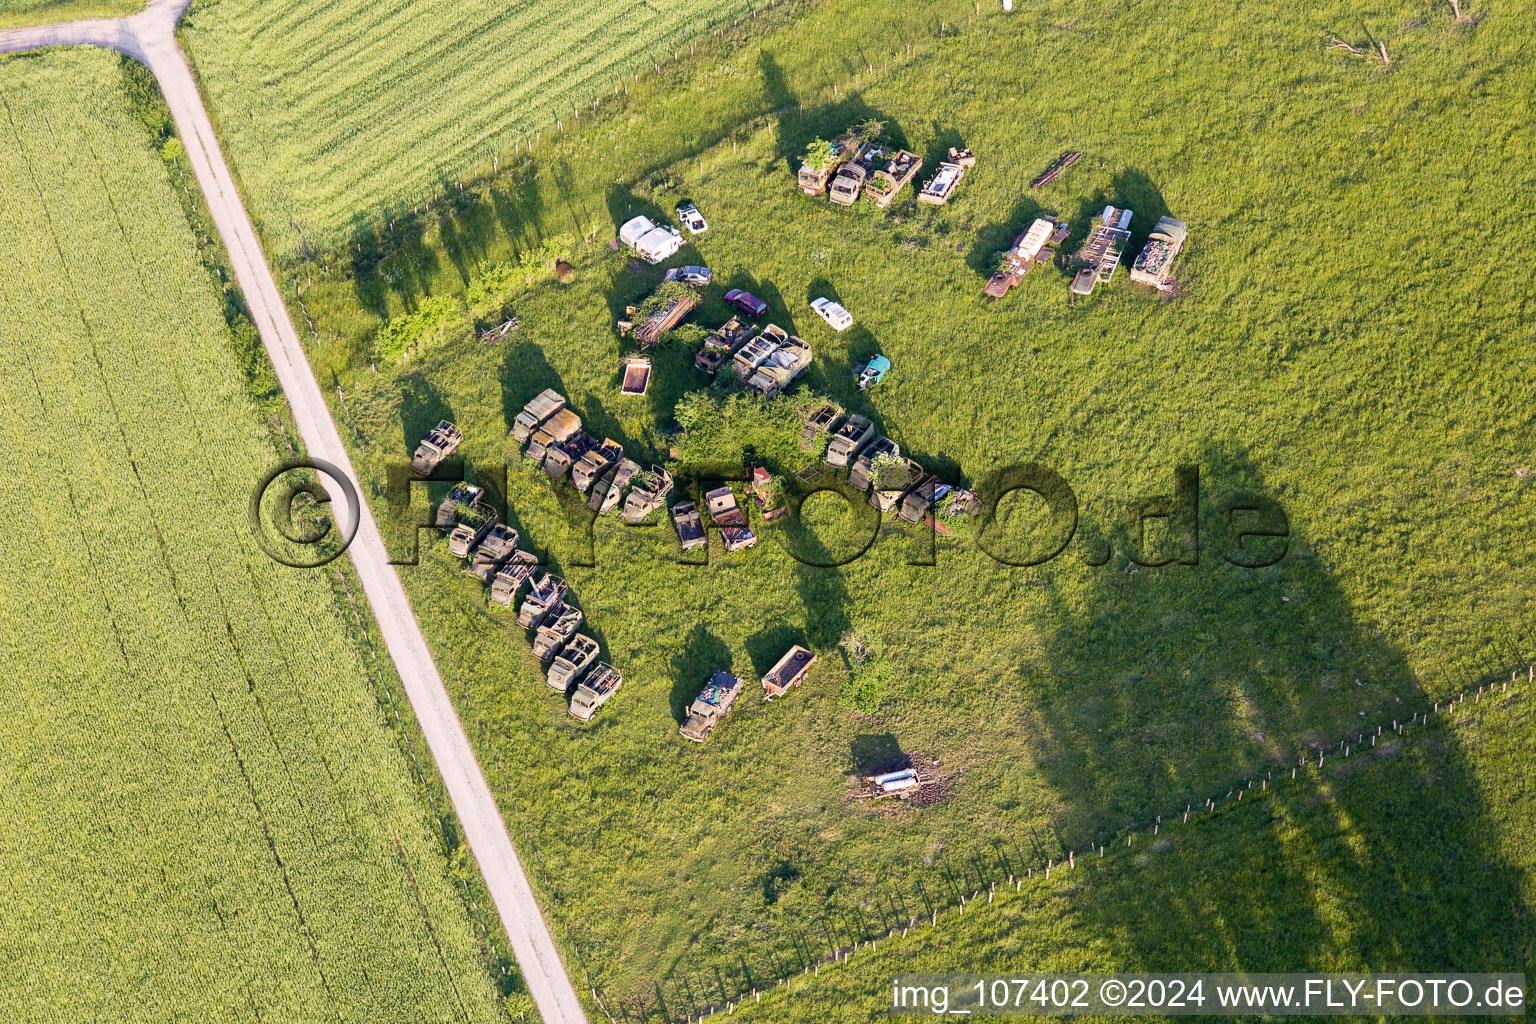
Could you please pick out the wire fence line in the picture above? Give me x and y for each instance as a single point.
(1310, 766)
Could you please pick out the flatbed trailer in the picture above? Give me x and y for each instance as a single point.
(1031, 247)
(1100, 255)
(789, 671)
(664, 319)
(1154, 265)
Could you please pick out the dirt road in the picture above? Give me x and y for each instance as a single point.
(150, 37)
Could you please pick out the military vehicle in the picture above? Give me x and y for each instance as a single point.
(552, 432)
(567, 453)
(813, 182)
(850, 178)
(578, 654)
(887, 494)
(461, 495)
(544, 596)
(593, 691)
(863, 467)
(610, 486)
(723, 344)
(849, 439)
(509, 579)
(711, 706)
(917, 501)
(441, 441)
(544, 405)
(496, 548)
(789, 671)
(943, 185)
(884, 185)
(820, 420)
(690, 525)
(786, 359)
(726, 513)
(562, 624)
(1154, 266)
(1100, 255)
(592, 463)
(650, 492)
(475, 521)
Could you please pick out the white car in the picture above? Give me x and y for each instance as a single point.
(837, 318)
(692, 219)
(653, 242)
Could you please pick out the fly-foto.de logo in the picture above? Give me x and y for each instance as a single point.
(1021, 515)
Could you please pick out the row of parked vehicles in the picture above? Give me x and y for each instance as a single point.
(855, 164)
(476, 534)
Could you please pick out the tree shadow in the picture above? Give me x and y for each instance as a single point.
(1132, 190)
(525, 371)
(394, 261)
(698, 658)
(994, 238)
(874, 753)
(421, 407)
(519, 211)
(1162, 685)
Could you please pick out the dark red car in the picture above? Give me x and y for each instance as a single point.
(746, 302)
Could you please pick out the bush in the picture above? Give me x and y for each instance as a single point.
(720, 428)
(404, 336)
(869, 672)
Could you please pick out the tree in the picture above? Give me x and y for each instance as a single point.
(869, 131)
(820, 155)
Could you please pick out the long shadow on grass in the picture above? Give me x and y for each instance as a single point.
(1165, 684)
(701, 654)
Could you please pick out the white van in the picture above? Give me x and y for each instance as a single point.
(652, 242)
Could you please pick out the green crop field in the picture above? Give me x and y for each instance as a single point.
(30, 12)
(336, 115)
(1352, 342)
(205, 816)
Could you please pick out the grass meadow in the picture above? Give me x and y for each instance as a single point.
(1351, 342)
(1448, 802)
(205, 814)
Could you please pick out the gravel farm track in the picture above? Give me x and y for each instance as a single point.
(150, 37)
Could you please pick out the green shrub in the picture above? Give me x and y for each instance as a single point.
(404, 336)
